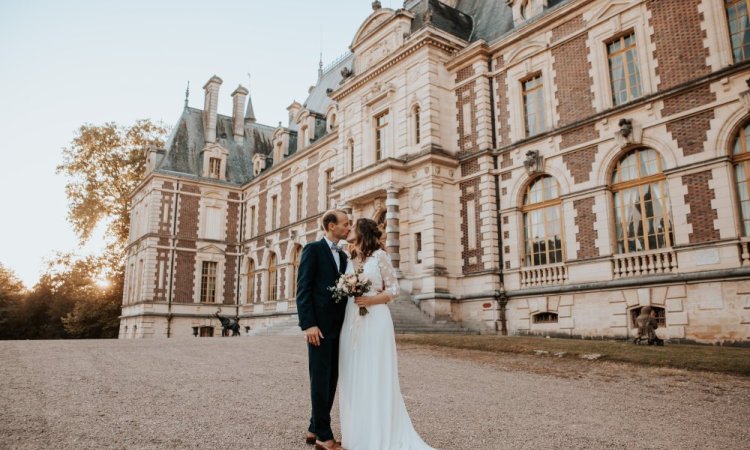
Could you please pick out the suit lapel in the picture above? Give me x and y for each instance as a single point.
(328, 252)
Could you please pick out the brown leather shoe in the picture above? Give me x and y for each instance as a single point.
(310, 438)
(320, 445)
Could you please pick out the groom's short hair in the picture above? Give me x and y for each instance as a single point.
(329, 217)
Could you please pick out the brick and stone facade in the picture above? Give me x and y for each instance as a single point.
(453, 179)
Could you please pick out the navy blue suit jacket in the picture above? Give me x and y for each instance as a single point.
(315, 304)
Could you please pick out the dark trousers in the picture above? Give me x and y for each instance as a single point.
(324, 374)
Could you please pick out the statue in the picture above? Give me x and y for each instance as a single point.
(626, 127)
(533, 162)
(228, 324)
(647, 325)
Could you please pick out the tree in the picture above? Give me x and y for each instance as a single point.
(104, 164)
(11, 294)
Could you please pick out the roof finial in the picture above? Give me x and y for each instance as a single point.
(187, 93)
(320, 66)
(376, 5)
(249, 111)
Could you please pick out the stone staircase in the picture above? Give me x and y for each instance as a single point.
(408, 318)
(286, 327)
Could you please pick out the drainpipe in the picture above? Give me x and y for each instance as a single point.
(500, 297)
(172, 257)
(239, 259)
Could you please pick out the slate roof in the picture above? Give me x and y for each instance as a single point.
(490, 19)
(318, 100)
(184, 146)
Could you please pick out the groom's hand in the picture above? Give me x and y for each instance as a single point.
(313, 335)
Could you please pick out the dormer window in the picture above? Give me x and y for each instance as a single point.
(214, 169)
(524, 10)
(531, 8)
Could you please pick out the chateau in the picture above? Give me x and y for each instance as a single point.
(540, 167)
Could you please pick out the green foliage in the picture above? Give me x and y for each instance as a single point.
(11, 294)
(104, 164)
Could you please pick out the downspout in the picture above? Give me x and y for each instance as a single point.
(172, 257)
(500, 297)
(240, 258)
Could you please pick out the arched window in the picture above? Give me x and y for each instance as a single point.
(296, 257)
(272, 278)
(415, 119)
(643, 220)
(530, 8)
(542, 222)
(741, 159)
(250, 282)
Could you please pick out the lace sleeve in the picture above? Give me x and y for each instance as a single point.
(388, 273)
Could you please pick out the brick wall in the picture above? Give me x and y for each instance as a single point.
(312, 191)
(568, 27)
(467, 135)
(183, 282)
(691, 132)
(586, 235)
(464, 74)
(187, 228)
(578, 136)
(574, 97)
(579, 163)
(503, 119)
(230, 280)
(693, 98)
(701, 215)
(470, 166)
(165, 212)
(162, 257)
(284, 203)
(470, 193)
(680, 53)
(505, 160)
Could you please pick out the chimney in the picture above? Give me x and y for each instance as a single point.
(238, 120)
(210, 108)
(293, 109)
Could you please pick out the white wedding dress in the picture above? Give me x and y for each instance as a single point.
(373, 413)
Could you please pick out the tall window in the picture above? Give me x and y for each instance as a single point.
(533, 105)
(274, 210)
(543, 228)
(381, 125)
(642, 215)
(739, 28)
(350, 154)
(272, 278)
(250, 282)
(214, 167)
(208, 282)
(417, 130)
(296, 258)
(741, 157)
(298, 200)
(623, 69)
(329, 186)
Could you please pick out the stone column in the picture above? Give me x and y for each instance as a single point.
(392, 243)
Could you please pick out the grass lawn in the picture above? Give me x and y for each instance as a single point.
(730, 360)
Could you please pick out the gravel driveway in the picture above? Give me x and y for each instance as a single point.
(252, 392)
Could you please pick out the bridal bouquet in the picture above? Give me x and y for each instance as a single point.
(351, 285)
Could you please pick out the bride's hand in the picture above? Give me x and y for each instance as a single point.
(362, 301)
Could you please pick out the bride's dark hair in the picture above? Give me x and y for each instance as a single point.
(367, 239)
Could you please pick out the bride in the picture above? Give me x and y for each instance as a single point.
(372, 410)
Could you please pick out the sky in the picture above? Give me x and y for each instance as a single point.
(65, 64)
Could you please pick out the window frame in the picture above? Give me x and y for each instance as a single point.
(273, 278)
(526, 208)
(726, 7)
(208, 281)
(538, 101)
(640, 180)
(622, 53)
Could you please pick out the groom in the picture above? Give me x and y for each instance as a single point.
(321, 319)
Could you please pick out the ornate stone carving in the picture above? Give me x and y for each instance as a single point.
(534, 162)
(628, 132)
